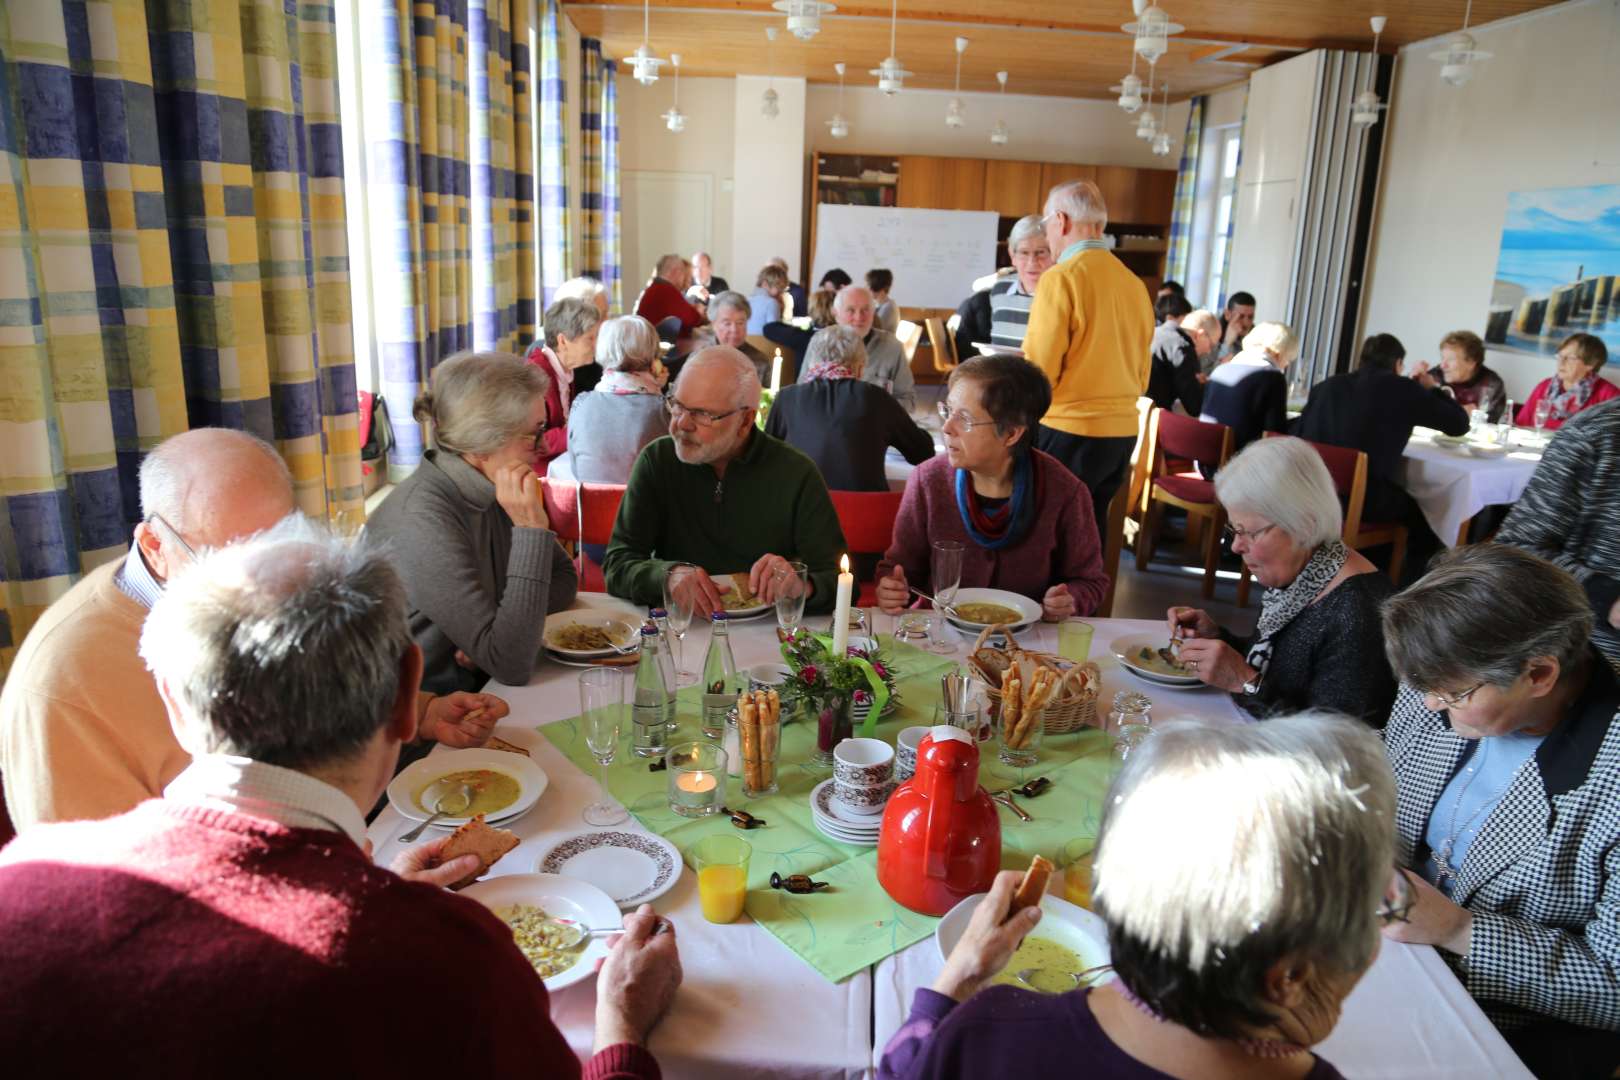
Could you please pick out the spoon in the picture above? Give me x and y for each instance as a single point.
(939, 605)
(1079, 977)
(574, 934)
(1006, 800)
(445, 798)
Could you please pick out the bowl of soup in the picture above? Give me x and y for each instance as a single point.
(503, 785)
(1067, 941)
(975, 609)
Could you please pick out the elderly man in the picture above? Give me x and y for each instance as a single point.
(1010, 298)
(1203, 329)
(720, 495)
(82, 732)
(705, 282)
(664, 298)
(237, 923)
(1236, 322)
(729, 313)
(1091, 331)
(885, 358)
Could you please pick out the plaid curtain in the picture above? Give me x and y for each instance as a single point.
(612, 271)
(1179, 260)
(172, 255)
(1226, 263)
(556, 259)
(593, 179)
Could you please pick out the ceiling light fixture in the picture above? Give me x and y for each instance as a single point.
(998, 134)
(955, 115)
(674, 119)
(891, 76)
(1130, 88)
(1162, 140)
(1147, 125)
(1152, 30)
(1459, 56)
(1366, 106)
(642, 62)
(803, 16)
(838, 127)
(769, 107)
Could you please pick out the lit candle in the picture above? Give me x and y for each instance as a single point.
(695, 783)
(776, 373)
(846, 586)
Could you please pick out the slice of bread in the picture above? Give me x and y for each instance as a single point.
(480, 839)
(1033, 887)
(498, 743)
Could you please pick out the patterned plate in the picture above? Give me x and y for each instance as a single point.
(834, 819)
(631, 867)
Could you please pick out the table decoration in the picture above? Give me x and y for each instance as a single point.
(697, 778)
(828, 682)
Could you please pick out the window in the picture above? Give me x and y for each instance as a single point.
(1214, 204)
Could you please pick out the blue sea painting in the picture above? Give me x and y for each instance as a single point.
(1559, 269)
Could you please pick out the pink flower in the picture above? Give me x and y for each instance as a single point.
(809, 674)
(882, 672)
(862, 697)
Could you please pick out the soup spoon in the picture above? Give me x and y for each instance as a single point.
(574, 933)
(445, 798)
(1079, 977)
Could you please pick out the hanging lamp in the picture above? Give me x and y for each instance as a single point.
(1162, 140)
(838, 127)
(642, 62)
(674, 119)
(1147, 125)
(1130, 88)
(1152, 30)
(1365, 108)
(803, 16)
(998, 134)
(891, 76)
(955, 115)
(768, 105)
(1458, 58)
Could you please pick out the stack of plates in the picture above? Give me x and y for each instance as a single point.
(838, 823)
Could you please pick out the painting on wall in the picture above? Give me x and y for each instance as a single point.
(1559, 270)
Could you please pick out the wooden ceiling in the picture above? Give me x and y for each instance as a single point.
(1063, 48)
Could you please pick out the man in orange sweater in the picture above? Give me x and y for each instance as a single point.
(1091, 331)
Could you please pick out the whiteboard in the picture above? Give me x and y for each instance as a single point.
(935, 254)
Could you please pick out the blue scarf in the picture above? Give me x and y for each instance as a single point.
(1008, 524)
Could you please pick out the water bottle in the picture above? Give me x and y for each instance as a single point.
(720, 684)
(650, 712)
(666, 661)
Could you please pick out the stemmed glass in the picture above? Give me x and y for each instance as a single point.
(601, 704)
(945, 576)
(680, 621)
(792, 585)
(1543, 414)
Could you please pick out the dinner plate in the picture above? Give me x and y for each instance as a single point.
(1028, 610)
(989, 349)
(600, 661)
(631, 867)
(1126, 648)
(1068, 924)
(723, 582)
(419, 774)
(561, 897)
(626, 633)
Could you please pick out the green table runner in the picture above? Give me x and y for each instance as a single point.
(854, 924)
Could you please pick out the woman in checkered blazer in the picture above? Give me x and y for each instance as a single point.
(1505, 742)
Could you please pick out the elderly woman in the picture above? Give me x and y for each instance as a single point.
(766, 303)
(1465, 377)
(1576, 385)
(608, 426)
(1234, 944)
(1249, 393)
(1010, 298)
(1505, 741)
(1318, 643)
(843, 424)
(729, 313)
(1025, 522)
(468, 528)
(570, 343)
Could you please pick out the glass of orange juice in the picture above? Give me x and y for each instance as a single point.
(722, 869)
(1076, 858)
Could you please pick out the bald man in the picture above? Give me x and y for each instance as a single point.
(83, 733)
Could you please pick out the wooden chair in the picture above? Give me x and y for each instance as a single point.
(910, 335)
(867, 518)
(583, 514)
(944, 346)
(1171, 436)
(1123, 506)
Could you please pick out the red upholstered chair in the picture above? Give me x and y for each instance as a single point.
(582, 514)
(1172, 438)
(867, 518)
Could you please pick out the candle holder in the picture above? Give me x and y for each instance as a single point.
(697, 778)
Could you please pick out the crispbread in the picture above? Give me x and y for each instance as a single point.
(498, 743)
(1033, 887)
(478, 838)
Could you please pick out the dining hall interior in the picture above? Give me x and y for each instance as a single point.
(811, 539)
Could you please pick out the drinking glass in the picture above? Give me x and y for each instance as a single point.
(721, 863)
(601, 704)
(945, 575)
(913, 627)
(793, 585)
(1543, 414)
(680, 621)
(1076, 862)
(1074, 640)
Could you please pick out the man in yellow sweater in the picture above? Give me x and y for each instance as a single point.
(1091, 331)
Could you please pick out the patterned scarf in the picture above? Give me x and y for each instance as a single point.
(1008, 523)
(1279, 606)
(1566, 403)
(629, 382)
(826, 369)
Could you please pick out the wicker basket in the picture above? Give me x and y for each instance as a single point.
(1074, 706)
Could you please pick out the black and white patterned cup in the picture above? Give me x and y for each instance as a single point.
(863, 774)
(905, 752)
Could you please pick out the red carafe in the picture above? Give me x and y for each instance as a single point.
(941, 838)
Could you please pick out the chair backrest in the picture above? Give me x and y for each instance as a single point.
(867, 518)
(1124, 501)
(669, 328)
(909, 334)
(1183, 437)
(1348, 467)
(599, 508)
(943, 344)
(954, 322)
(562, 501)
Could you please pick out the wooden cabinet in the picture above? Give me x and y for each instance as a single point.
(1052, 175)
(936, 183)
(1013, 188)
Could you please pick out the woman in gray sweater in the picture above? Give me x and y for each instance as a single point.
(468, 529)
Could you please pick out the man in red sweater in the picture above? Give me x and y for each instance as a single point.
(236, 925)
(665, 297)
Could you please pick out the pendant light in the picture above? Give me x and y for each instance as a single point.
(1162, 140)
(674, 119)
(642, 62)
(1130, 88)
(838, 127)
(1366, 106)
(891, 76)
(955, 115)
(768, 105)
(1152, 30)
(803, 16)
(1459, 56)
(1147, 125)
(998, 134)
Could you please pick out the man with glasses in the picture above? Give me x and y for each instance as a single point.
(885, 358)
(720, 496)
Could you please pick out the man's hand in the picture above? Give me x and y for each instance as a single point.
(693, 587)
(460, 720)
(517, 489)
(421, 863)
(637, 981)
(463, 660)
(1057, 604)
(989, 940)
(1433, 920)
(1216, 663)
(893, 592)
(764, 580)
(1232, 336)
(1424, 376)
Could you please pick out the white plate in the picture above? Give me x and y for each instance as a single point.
(558, 658)
(853, 839)
(1068, 924)
(631, 867)
(561, 897)
(1028, 610)
(1125, 650)
(419, 774)
(723, 582)
(1489, 451)
(834, 819)
(988, 349)
(627, 634)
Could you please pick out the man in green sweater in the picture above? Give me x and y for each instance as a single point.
(720, 496)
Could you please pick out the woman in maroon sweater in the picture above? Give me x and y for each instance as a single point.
(1025, 521)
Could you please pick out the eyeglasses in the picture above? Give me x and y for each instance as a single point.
(964, 423)
(1451, 702)
(537, 436)
(1233, 534)
(1399, 907)
(174, 532)
(702, 416)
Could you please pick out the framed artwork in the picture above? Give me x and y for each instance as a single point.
(1558, 272)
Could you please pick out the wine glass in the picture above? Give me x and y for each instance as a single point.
(792, 586)
(1543, 414)
(945, 575)
(601, 705)
(680, 621)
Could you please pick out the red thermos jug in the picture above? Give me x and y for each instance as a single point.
(941, 838)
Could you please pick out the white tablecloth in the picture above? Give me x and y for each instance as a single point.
(1451, 486)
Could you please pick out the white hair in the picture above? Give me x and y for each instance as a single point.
(579, 288)
(836, 345)
(170, 470)
(1028, 227)
(1202, 319)
(628, 343)
(1081, 200)
(736, 363)
(1276, 338)
(1285, 481)
(841, 302)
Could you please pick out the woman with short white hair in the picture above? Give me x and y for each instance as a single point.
(1249, 393)
(1011, 298)
(608, 426)
(1236, 929)
(1319, 643)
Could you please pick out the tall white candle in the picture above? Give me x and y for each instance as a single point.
(776, 373)
(846, 586)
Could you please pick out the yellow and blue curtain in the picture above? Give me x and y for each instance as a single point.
(612, 270)
(1179, 260)
(556, 261)
(172, 255)
(599, 199)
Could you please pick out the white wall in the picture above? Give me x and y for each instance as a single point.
(1539, 114)
(769, 166)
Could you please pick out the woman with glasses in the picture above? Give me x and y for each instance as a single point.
(1025, 521)
(571, 327)
(468, 528)
(1233, 943)
(1505, 741)
(1319, 643)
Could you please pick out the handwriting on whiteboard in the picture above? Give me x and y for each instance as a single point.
(935, 254)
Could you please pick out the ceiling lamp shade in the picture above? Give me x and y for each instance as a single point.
(1152, 30)
(1458, 58)
(768, 104)
(674, 119)
(642, 62)
(1365, 107)
(998, 134)
(1161, 144)
(803, 16)
(1147, 125)
(955, 114)
(838, 127)
(891, 76)
(1130, 92)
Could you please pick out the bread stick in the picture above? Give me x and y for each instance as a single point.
(1011, 689)
(1034, 706)
(772, 740)
(748, 737)
(1033, 887)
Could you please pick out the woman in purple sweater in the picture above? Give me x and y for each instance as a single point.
(1025, 522)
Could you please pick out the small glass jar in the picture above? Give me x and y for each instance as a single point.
(1130, 721)
(697, 778)
(1021, 742)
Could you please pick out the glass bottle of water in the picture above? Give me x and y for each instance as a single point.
(666, 660)
(720, 687)
(650, 712)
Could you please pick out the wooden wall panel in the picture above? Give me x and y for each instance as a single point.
(937, 183)
(1013, 188)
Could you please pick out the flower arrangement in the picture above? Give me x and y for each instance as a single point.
(829, 686)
